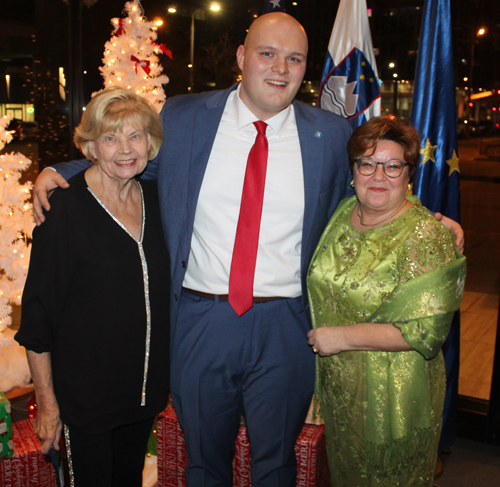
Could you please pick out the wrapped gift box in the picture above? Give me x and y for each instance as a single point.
(312, 467)
(28, 467)
(312, 464)
(5, 427)
(170, 449)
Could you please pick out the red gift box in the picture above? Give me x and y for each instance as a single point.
(170, 450)
(29, 467)
(312, 466)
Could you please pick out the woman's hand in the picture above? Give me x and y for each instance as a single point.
(455, 228)
(384, 337)
(47, 181)
(328, 340)
(48, 426)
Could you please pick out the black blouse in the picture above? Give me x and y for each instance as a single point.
(86, 302)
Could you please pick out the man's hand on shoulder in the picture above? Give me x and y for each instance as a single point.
(455, 228)
(47, 181)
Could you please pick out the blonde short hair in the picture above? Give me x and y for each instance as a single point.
(112, 108)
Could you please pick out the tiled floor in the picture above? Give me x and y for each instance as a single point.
(480, 209)
(479, 314)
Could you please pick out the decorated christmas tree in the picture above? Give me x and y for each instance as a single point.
(16, 224)
(130, 56)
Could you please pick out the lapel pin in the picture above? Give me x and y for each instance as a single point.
(317, 135)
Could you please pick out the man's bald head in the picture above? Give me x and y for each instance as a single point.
(273, 62)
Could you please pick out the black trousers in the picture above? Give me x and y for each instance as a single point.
(113, 458)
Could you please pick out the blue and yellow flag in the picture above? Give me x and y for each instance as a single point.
(437, 179)
(274, 6)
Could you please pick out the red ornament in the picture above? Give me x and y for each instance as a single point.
(32, 406)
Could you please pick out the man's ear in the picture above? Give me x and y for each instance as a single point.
(240, 56)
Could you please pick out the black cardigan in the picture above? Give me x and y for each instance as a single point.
(84, 302)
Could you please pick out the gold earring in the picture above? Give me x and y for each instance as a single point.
(409, 189)
(352, 183)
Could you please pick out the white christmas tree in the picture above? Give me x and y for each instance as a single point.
(130, 56)
(16, 224)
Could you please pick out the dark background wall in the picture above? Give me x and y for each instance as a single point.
(35, 42)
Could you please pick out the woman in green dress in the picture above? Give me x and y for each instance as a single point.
(383, 284)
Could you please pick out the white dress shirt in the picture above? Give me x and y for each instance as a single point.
(277, 271)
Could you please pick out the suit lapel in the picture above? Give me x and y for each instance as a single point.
(312, 149)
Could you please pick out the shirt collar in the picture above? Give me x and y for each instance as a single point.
(245, 117)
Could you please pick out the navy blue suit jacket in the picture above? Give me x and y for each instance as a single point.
(190, 126)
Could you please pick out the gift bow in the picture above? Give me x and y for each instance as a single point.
(164, 49)
(143, 64)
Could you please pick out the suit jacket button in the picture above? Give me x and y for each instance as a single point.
(183, 264)
(176, 297)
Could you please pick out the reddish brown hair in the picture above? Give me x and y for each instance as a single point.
(367, 136)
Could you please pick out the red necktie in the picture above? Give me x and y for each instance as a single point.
(247, 233)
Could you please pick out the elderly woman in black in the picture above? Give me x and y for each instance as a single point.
(95, 305)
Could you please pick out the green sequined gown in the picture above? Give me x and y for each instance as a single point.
(382, 410)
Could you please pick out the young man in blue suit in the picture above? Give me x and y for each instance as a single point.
(257, 364)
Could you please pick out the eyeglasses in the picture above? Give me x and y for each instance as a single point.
(392, 168)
